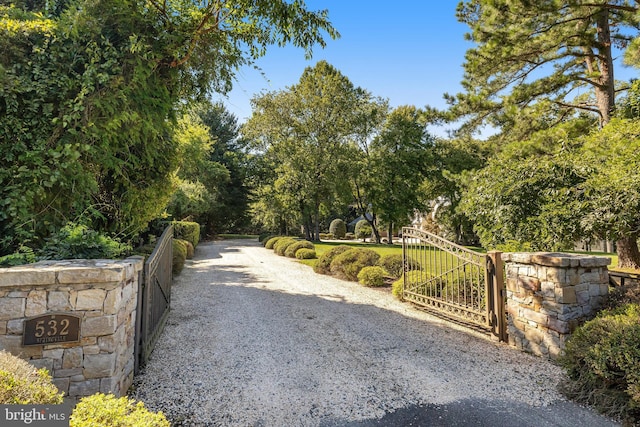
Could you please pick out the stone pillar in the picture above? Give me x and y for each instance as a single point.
(549, 295)
(102, 293)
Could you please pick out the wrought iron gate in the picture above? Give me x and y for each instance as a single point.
(154, 297)
(454, 281)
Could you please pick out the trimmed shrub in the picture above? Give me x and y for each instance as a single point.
(186, 230)
(326, 236)
(363, 229)
(372, 276)
(323, 266)
(22, 384)
(282, 245)
(272, 241)
(393, 264)
(602, 359)
(338, 228)
(349, 236)
(179, 255)
(101, 410)
(76, 241)
(291, 250)
(305, 253)
(348, 264)
(398, 286)
(263, 237)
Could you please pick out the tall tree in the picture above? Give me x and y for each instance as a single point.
(402, 157)
(306, 128)
(230, 151)
(532, 59)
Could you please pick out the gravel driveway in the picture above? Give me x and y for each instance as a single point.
(254, 339)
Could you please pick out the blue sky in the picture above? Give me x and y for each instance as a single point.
(410, 52)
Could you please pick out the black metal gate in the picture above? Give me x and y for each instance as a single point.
(154, 297)
(454, 281)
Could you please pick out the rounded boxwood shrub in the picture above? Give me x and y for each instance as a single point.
(187, 230)
(291, 250)
(348, 264)
(272, 241)
(398, 286)
(105, 410)
(323, 266)
(282, 245)
(326, 236)
(338, 228)
(22, 384)
(363, 229)
(305, 253)
(372, 276)
(602, 360)
(179, 255)
(393, 264)
(263, 237)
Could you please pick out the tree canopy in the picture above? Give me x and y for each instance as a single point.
(533, 61)
(91, 89)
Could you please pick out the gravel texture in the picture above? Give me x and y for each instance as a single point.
(254, 339)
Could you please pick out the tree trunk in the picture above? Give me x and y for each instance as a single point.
(390, 234)
(374, 229)
(316, 236)
(605, 90)
(628, 253)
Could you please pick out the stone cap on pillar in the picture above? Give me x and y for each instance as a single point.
(556, 259)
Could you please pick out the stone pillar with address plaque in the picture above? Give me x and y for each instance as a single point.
(75, 318)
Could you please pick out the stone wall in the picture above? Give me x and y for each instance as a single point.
(549, 295)
(103, 293)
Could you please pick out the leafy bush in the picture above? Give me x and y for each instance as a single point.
(21, 383)
(349, 236)
(272, 241)
(190, 249)
(348, 264)
(338, 228)
(413, 276)
(372, 276)
(24, 255)
(179, 255)
(323, 266)
(363, 229)
(186, 230)
(326, 236)
(76, 241)
(264, 237)
(282, 245)
(305, 254)
(393, 264)
(100, 410)
(602, 359)
(397, 287)
(291, 250)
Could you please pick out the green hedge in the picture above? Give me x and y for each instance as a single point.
(291, 250)
(323, 266)
(282, 245)
(100, 410)
(186, 230)
(179, 255)
(305, 254)
(602, 360)
(22, 384)
(270, 243)
(372, 276)
(348, 264)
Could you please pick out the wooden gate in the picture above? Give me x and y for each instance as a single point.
(154, 297)
(451, 280)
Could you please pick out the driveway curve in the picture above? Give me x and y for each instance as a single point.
(254, 339)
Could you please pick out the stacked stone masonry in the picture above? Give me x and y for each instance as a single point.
(103, 293)
(549, 295)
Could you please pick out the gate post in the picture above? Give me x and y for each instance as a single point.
(495, 299)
